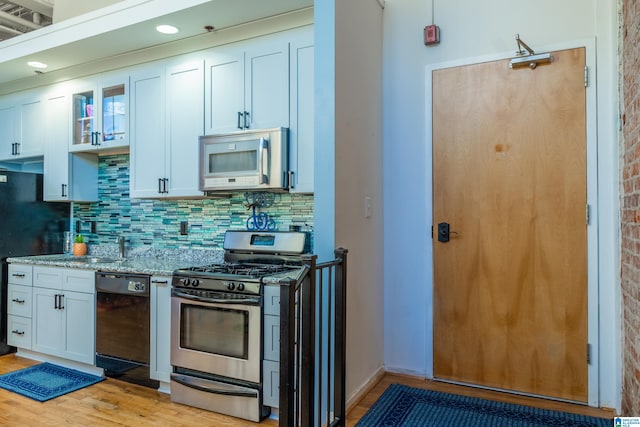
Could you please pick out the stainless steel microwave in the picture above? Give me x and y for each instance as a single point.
(245, 160)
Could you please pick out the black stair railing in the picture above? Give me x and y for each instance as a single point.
(313, 345)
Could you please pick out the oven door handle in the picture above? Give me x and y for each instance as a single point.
(246, 301)
(220, 388)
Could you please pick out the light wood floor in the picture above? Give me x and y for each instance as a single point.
(108, 403)
(112, 403)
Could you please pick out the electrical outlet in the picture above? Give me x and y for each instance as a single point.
(93, 226)
(184, 228)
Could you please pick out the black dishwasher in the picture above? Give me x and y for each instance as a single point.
(123, 327)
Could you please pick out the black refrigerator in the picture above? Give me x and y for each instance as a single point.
(28, 226)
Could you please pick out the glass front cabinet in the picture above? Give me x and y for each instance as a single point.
(100, 116)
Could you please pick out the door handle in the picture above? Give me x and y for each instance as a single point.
(246, 120)
(263, 159)
(240, 125)
(444, 232)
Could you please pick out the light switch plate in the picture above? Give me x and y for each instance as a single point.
(367, 207)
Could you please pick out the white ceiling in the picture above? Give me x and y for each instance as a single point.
(125, 27)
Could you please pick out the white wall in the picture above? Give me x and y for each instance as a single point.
(65, 9)
(471, 29)
(348, 165)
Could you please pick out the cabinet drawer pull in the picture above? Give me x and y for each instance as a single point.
(18, 301)
(95, 138)
(17, 332)
(19, 275)
(160, 282)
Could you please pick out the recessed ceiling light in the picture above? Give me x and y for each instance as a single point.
(166, 29)
(36, 64)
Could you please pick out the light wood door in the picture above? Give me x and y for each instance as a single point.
(509, 176)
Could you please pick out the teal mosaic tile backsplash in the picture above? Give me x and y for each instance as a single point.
(150, 222)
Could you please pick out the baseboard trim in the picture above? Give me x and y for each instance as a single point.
(365, 388)
(406, 372)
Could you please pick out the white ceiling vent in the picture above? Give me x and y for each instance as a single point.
(21, 16)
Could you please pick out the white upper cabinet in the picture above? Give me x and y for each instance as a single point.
(67, 177)
(167, 118)
(21, 131)
(301, 131)
(99, 114)
(8, 130)
(147, 133)
(185, 123)
(247, 85)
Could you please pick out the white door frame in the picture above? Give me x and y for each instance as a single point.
(593, 317)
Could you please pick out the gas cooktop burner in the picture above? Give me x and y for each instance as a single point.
(237, 269)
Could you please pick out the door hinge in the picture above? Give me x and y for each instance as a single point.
(588, 354)
(586, 76)
(588, 213)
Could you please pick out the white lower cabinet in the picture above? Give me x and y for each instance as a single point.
(19, 298)
(160, 366)
(271, 363)
(64, 313)
(19, 329)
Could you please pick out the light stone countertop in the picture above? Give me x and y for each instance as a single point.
(150, 262)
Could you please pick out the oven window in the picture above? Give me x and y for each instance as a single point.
(215, 330)
(240, 161)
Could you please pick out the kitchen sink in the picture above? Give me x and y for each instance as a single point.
(86, 259)
(99, 260)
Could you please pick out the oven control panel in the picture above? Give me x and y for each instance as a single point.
(214, 284)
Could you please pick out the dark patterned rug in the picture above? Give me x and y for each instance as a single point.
(46, 381)
(402, 406)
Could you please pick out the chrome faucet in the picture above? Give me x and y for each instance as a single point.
(120, 242)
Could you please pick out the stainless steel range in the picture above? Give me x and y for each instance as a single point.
(216, 322)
